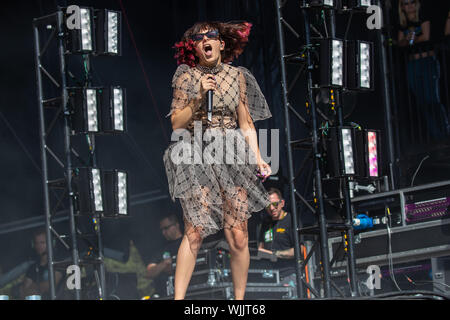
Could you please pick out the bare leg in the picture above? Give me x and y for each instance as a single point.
(236, 234)
(240, 259)
(187, 255)
(190, 244)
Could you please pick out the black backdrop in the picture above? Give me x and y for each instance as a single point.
(149, 31)
(145, 69)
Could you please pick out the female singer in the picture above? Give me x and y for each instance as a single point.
(216, 196)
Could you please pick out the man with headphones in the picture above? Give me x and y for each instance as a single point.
(36, 280)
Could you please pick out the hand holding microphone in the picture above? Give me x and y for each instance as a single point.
(207, 86)
(207, 82)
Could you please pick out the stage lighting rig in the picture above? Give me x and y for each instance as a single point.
(341, 141)
(359, 65)
(325, 4)
(82, 39)
(330, 67)
(85, 111)
(372, 154)
(97, 110)
(369, 151)
(99, 32)
(88, 109)
(357, 4)
(102, 192)
(117, 202)
(88, 191)
(113, 109)
(108, 26)
(348, 151)
(360, 150)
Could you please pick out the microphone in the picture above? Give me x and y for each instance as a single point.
(210, 104)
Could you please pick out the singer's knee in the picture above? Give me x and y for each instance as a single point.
(238, 240)
(195, 241)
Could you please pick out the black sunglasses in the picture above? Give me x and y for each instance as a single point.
(275, 204)
(210, 35)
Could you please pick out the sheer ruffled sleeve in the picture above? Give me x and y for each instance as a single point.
(252, 97)
(184, 88)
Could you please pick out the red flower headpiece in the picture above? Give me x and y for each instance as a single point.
(245, 32)
(185, 52)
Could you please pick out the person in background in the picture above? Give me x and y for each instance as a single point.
(277, 237)
(36, 280)
(414, 27)
(160, 266)
(423, 69)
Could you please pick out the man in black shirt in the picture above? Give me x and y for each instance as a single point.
(160, 266)
(36, 280)
(276, 234)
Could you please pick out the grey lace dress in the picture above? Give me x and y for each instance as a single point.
(223, 194)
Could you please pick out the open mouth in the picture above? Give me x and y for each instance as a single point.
(208, 50)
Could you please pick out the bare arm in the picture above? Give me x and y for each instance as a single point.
(285, 254)
(425, 36)
(262, 249)
(181, 117)
(248, 129)
(155, 269)
(249, 132)
(265, 250)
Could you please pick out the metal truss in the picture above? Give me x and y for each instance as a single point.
(304, 60)
(52, 28)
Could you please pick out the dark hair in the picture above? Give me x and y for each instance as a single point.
(234, 34)
(276, 191)
(171, 217)
(38, 232)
